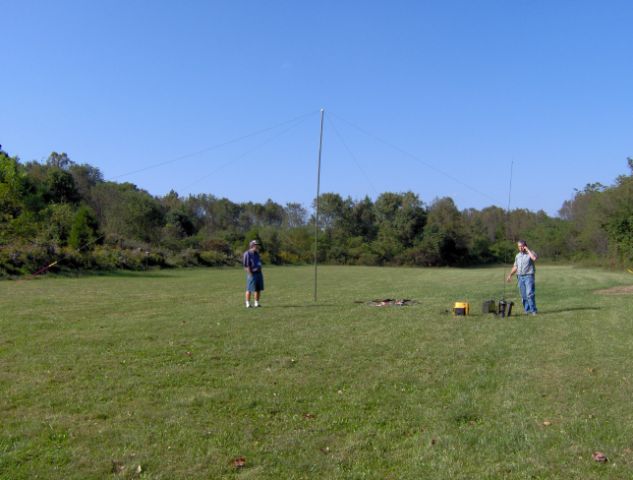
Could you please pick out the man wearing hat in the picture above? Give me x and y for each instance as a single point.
(254, 276)
(524, 268)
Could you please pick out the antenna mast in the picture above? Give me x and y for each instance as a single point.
(316, 214)
(507, 224)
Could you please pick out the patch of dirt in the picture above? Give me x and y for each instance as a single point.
(391, 302)
(621, 290)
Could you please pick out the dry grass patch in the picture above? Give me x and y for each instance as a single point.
(619, 290)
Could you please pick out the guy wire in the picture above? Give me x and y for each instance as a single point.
(245, 154)
(352, 156)
(416, 158)
(213, 147)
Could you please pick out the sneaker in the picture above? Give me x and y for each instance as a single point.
(533, 314)
(248, 305)
(257, 305)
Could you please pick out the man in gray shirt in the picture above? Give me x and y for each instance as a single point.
(524, 268)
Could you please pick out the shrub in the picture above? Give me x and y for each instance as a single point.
(186, 258)
(25, 259)
(69, 258)
(105, 258)
(215, 259)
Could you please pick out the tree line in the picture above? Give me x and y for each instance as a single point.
(65, 212)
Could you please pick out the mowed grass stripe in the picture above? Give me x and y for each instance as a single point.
(168, 370)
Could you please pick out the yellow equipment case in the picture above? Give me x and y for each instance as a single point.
(461, 309)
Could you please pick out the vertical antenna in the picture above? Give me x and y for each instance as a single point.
(507, 222)
(316, 215)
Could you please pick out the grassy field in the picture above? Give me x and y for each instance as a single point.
(165, 375)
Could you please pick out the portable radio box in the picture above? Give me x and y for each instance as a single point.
(489, 306)
(505, 308)
(461, 309)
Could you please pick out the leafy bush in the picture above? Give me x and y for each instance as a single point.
(186, 258)
(107, 258)
(215, 259)
(25, 259)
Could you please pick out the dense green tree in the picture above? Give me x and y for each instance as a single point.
(12, 184)
(617, 208)
(60, 186)
(295, 215)
(333, 211)
(588, 235)
(84, 229)
(59, 161)
(223, 214)
(298, 245)
(410, 219)
(270, 238)
(402, 216)
(85, 177)
(56, 228)
(179, 219)
(126, 212)
(362, 221)
(257, 214)
(448, 235)
(273, 214)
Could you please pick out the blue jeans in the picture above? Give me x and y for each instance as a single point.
(527, 289)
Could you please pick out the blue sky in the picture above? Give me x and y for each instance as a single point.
(437, 97)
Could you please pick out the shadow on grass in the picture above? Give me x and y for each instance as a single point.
(133, 274)
(315, 305)
(570, 309)
(90, 273)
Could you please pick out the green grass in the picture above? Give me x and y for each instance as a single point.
(168, 371)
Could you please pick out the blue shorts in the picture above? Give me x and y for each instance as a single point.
(255, 282)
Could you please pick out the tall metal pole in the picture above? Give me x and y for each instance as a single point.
(505, 261)
(316, 214)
